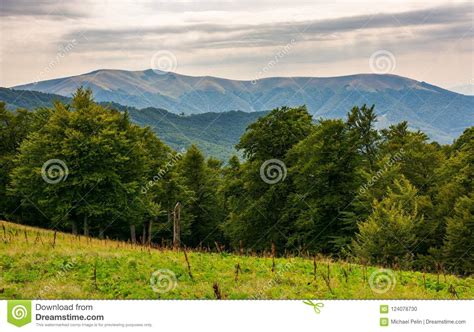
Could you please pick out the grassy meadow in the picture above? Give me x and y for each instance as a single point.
(34, 263)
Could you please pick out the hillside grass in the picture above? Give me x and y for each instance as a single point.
(82, 268)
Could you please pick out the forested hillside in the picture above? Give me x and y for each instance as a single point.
(339, 188)
(29, 100)
(214, 133)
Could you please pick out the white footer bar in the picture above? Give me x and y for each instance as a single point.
(337, 315)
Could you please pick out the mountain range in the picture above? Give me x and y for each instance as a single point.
(441, 113)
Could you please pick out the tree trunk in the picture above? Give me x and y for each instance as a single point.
(133, 235)
(144, 233)
(86, 227)
(74, 227)
(150, 225)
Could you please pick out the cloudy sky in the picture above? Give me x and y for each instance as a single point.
(248, 39)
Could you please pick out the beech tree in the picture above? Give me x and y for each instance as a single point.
(83, 168)
(257, 214)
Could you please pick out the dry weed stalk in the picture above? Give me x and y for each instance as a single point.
(315, 267)
(188, 264)
(237, 270)
(217, 292)
(273, 256)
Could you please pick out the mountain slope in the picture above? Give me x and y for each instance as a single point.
(214, 133)
(29, 99)
(440, 113)
(126, 271)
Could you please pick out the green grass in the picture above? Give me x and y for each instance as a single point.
(80, 268)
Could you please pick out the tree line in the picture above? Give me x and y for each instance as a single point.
(337, 187)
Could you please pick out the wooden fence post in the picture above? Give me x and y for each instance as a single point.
(176, 226)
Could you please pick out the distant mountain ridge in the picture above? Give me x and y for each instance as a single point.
(440, 113)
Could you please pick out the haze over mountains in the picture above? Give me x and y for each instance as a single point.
(441, 113)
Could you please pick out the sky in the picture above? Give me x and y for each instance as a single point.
(429, 41)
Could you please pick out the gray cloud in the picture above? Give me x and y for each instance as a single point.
(235, 38)
(213, 5)
(453, 19)
(41, 8)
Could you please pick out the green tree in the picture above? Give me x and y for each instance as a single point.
(361, 123)
(325, 180)
(457, 249)
(409, 154)
(454, 179)
(257, 205)
(271, 136)
(419, 158)
(203, 206)
(84, 166)
(14, 127)
(391, 232)
(158, 160)
(169, 190)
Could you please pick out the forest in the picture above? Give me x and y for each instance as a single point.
(336, 187)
